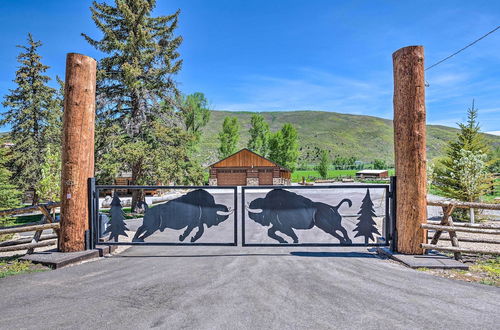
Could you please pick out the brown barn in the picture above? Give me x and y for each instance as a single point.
(246, 168)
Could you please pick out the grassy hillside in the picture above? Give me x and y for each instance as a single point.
(363, 137)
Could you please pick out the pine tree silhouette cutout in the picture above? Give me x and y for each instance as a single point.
(117, 224)
(366, 226)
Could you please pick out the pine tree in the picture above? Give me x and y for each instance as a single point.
(453, 173)
(324, 161)
(229, 137)
(9, 194)
(117, 225)
(136, 91)
(31, 112)
(366, 226)
(259, 135)
(284, 147)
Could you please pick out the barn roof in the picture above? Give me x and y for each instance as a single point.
(371, 172)
(246, 158)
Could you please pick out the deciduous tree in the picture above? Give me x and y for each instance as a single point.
(259, 135)
(324, 162)
(284, 147)
(229, 137)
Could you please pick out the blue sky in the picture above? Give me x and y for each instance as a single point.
(279, 55)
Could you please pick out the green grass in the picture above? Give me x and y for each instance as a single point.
(312, 175)
(13, 266)
(490, 266)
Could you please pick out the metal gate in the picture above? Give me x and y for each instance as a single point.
(181, 215)
(322, 215)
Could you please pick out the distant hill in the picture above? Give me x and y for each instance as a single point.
(363, 137)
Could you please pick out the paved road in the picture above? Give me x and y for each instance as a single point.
(244, 288)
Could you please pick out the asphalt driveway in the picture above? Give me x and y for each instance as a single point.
(244, 288)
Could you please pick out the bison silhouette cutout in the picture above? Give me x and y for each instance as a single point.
(192, 210)
(285, 211)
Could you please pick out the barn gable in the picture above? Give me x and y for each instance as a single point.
(244, 158)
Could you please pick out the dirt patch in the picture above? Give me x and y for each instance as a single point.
(482, 269)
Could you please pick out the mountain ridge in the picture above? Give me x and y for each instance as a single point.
(364, 137)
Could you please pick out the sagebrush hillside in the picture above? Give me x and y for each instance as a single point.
(363, 137)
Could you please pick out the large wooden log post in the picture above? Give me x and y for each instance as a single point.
(409, 147)
(77, 150)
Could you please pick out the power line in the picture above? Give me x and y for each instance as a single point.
(455, 53)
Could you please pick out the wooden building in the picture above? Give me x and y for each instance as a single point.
(365, 174)
(246, 168)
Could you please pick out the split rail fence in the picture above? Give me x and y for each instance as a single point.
(447, 225)
(38, 240)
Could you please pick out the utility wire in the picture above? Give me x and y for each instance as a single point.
(455, 53)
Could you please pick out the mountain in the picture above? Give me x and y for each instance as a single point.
(364, 137)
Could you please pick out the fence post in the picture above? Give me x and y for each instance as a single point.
(410, 148)
(77, 150)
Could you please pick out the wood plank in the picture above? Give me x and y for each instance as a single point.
(465, 205)
(27, 246)
(462, 229)
(23, 229)
(460, 249)
(471, 225)
(474, 240)
(28, 209)
(27, 240)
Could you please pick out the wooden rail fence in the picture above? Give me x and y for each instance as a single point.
(38, 240)
(447, 224)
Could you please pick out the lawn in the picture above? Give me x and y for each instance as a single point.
(312, 175)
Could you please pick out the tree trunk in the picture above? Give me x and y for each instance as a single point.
(137, 194)
(77, 150)
(410, 148)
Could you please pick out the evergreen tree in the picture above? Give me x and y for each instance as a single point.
(259, 135)
(229, 137)
(10, 196)
(136, 92)
(324, 161)
(366, 226)
(117, 225)
(284, 147)
(453, 173)
(31, 112)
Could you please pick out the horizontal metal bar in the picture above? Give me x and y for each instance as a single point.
(163, 187)
(165, 244)
(313, 244)
(338, 186)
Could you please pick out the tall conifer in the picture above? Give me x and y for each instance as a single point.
(136, 91)
(31, 112)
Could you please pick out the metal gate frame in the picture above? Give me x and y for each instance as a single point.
(94, 214)
(388, 224)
